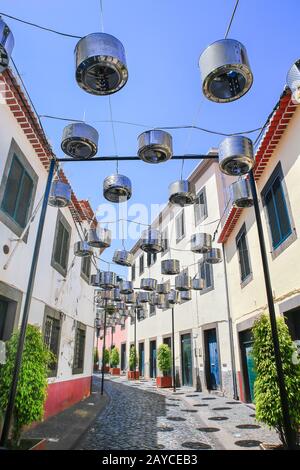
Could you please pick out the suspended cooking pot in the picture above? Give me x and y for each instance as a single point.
(82, 249)
(163, 288)
(213, 256)
(143, 297)
(293, 81)
(225, 71)
(100, 64)
(151, 241)
(241, 193)
(117, 294)
(80, 140)
(126, 287)
(7, 43)
(173, 297)
(99, 237)
(181, 193)
(121, 305)
(130, 298)
(158, 299)
(141, 314)
(117, 188)
(95, 279)
(123, 258)
(185, 296)
(183, 282)
(98, 323)
(148, 284)
(170, 266)
(60, 194)
(108, 280)
(155, 146)
(236, 155)
(201, 242)
(107, 295)
(197, 283)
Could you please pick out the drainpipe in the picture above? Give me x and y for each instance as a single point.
(232, 356)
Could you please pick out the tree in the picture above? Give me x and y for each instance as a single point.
(132, 358)
(164, 359)
(32, 385)
(106, 357)
(266, 390)
(114, 357)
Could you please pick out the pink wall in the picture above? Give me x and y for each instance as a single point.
(119, 337)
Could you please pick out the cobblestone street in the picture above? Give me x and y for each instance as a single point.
(139, 416)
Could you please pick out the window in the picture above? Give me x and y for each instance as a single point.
(61, 246)
(165, 240)
(206, 273)
(200, 207)
(78, 363)
(242, 247)
(86, 268)
(152, 310)
(133, 272)
(141, 261)
(151, 259)
(276, 205)
(180, 230)
(52, 328)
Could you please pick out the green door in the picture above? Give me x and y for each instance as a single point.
(249, 374)
(250, 368)
(186, 360)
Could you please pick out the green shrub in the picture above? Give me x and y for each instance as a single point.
(32, 385)
(96, 356)
(106, 356)
(114, 357)
(266, 391)
(164, 358)
(133, 358)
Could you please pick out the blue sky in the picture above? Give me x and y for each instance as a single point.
(163, 40)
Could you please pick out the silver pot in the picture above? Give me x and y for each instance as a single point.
(126, 287)
(173, 297)
(155, 146)
(197, 284)
(99, 237)
(82, 249)
(201, 242)
(213, 256)
(170, 266)
(158, 299)
(117, 188)
(183, 282)
(293, 81)
(7, 43)
(123, 258)
(141, 315)
(121, 306)
(185, 296)
(117, 294)
(151, 241)
(148, 284)
(236, 155)
(100, 64)
(181, 193)
(225, 71)
(107, 295)
(241, 193)
(95, 279)
(80, 140)
(130, 298)
(60, 194)
(163, 288)
(143, 297)
(108, 280)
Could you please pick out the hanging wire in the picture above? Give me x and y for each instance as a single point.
(113, 133)
(189, 136)
(231, 19)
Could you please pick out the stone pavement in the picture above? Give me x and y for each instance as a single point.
(140, 416)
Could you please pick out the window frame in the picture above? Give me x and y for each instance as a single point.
(153, 313)
(210, 267)
(133, 271)
(83, 274)
(180, 237)
(79, 370)
(141, 271)
(165, 241)
(55, 264)
(198, 206)
(55, 315)
(243, 233)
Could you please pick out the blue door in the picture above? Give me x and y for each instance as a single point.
(153, 359)
(213, 369)
(250, 369)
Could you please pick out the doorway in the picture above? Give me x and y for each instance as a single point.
(248, 370)
(141, 359)
(168, 342)
(186, 360)
(153, 359)
(123, 356)
(3, 316)
(292, 319)
(212, 366)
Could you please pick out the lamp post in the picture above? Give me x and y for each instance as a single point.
(135, 356)
(103, 348)
(173, 353)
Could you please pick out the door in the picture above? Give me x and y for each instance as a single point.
(123, 356)
(141, 359)
(186, 360)
(153, 359)
(3, 313)
(212, 360)
(168, 342)
(249, 374)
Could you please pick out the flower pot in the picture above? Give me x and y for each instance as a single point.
(106, 369)
(133, 375)
(164, 382)
(115, 371)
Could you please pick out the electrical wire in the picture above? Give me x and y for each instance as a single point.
(231, 19)
(113, 133)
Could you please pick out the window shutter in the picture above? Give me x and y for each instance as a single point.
(24, 198)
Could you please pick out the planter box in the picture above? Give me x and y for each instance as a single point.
(133, 375)
(164, 382)
(30, 444)
(115, 371)
(106, 369)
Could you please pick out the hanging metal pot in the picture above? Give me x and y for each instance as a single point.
(117, 188)
(60, 194)
(107, 295)
(7, 43)
(155, 146)
(173, 297)
(241, 193)
(170, 266)
(117, 294)
(225, 71)
(121, 306)
(108, 280)
(181, 193)
(80, 140)
(130, 298)
(293, 81)
(123, 258)
(141, 314)
(213, 256)
(201, 242)
(143, 297)
(95, 279)
(100, 64)
(236, 155)
(158, 299)
(151, 241)
(183, 282)
(99, 237)
(185, 296)
(126, 287)
(197, 283)
(148, 284)
(83, 249)
(163, 288)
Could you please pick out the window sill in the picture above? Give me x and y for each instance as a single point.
(284, 245)
(247, 280)
(179, 239)
(58, 268)
(208, 289)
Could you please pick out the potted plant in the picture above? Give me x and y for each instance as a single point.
(106, 360)
(266, 392)
(133, 359)
(32, 385)
(164, 365)
(114, 361)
